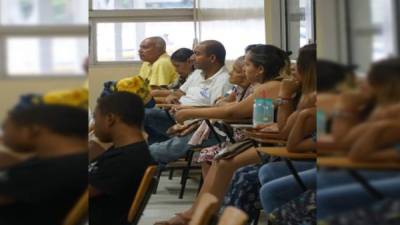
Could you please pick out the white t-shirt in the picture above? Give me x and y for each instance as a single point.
(204, 92)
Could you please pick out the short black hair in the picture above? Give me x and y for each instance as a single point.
(216, 48)
(182, 55)
(60, 119)
(128, 106)
(330, 74)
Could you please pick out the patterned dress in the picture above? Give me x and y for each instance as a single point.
(207, 154)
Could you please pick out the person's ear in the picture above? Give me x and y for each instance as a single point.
(213, 58)
(260, 70)
(33, 131)
(111, 119)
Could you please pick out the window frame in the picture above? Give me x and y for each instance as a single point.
(286, 27)
(134, 15)
(349, 32)
(37, 31)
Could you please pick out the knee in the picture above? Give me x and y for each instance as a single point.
(265, 174)
(224, 164)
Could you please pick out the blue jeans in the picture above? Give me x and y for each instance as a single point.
(156, 123)
(279, 184)
(339, 192)
(176, 147)
(274, 170)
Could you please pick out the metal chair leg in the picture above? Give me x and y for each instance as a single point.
(364, 183)
(171, 174)
(185, 174)
(295, 174)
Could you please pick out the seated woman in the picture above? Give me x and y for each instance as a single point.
(332, 80)
(44, 187)
(278, 184)
(280, 192)
(181, 59)
(259, 62)
(242, 89)
(366, 126)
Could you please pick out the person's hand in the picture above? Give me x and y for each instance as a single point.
(269, 128)
(308, 101)
(172, 99)
(289, 87)
(175, 129)
(182, 115)
(189, 129)
(219, 100)
(176, 108)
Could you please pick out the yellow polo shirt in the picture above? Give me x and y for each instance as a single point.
(160, 73)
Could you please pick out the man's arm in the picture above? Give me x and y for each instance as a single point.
(174, 97)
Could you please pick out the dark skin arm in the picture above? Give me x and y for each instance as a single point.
(174, 97)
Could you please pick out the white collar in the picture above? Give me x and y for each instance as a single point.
(222, 69)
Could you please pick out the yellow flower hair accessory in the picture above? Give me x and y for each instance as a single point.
(136, 85)
(74, 97)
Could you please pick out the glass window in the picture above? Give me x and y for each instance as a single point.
(120, 41)
(235, 23)
(33, 12)
(141, 4)
(300, 23)
(43, 56)
(372, 31)
(235, 35)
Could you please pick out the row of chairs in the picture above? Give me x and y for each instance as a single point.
(231, 216)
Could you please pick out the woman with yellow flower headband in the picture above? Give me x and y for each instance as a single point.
(45, 186)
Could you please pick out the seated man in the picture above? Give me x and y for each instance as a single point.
(157, 67)
(203, 87)
(115, 175)
(43, 188)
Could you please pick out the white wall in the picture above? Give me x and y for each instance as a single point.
(99, 74)
(11, 89)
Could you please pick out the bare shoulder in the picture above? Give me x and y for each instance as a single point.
(269, 89)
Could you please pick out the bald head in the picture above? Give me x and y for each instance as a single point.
(151, 49)
(158, 42)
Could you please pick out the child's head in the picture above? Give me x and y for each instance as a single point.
(237, 75)
(306, 68)
(264, 63)
(182, 62)
(384, 81)
(24, 126)
(116, 110)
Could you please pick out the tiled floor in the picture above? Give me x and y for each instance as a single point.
(165, 203)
